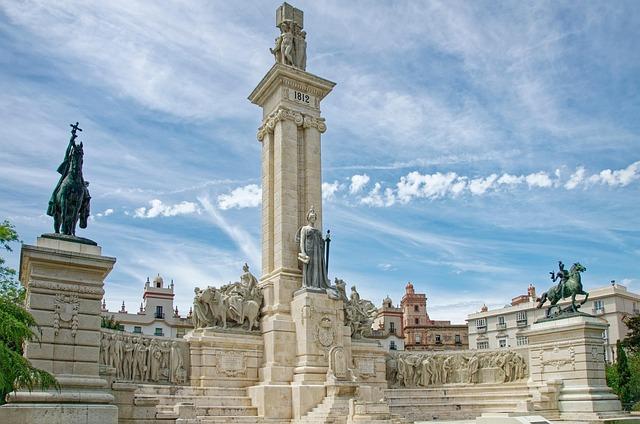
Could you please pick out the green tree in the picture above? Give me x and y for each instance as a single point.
(16, 326)
(624, 376)
(632, 341)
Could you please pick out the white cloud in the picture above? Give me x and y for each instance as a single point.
(158, 208)
(106, 212)
(539, 179)
(378, 199)
(430, 186)
(479, 186)
(508, 179)
(575, 179)
(358, 182)
(240, 237)
(329, 190)
(620, 177)
(249, 196)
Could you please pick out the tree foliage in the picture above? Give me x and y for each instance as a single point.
(16, 327)
(632, 341)
(110, 323)
(626, 383)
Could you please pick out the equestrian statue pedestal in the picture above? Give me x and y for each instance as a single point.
(571, 350)
(64, 282)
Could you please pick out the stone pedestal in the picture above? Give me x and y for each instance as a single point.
(64, 282)
(571, 350)
(224, 358)
(319, 323)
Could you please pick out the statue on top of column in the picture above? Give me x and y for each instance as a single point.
(291, 45)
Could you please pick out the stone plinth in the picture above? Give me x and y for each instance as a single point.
(571, 351)
(224, 358)
(369, 358)
(319, 323)
(64, 282)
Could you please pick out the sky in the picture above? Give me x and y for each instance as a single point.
(470, 145)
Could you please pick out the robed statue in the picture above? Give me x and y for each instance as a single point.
(312, 256)
(69, 202)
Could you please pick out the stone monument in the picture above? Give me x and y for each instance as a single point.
(64, 276)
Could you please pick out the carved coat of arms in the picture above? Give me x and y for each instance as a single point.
(324, 332)
(66, 309)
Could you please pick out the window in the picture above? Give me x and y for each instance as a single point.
(159, 313)
(501, 324)
(180, 332)
(392, 345)
(522, 340)
(137, 329)
(158, 332)
(120, 327)
(416, 308)
(418, 338)
(438, 339)
(521, 318)
(502, 342)
(392, 327)
(598, 305)
(483, 345)
(481, 323)
(457, 339)
(417, 320)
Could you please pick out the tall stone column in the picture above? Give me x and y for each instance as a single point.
(291, 183)
(64, 282)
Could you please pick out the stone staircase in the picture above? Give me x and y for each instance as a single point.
(332, 410)
(199, 405)
(457, 402)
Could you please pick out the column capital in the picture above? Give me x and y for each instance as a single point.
(300, 119)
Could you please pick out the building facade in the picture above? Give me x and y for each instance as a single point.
(504, 327)
(156, 316)
(421, 332)
(387, 326)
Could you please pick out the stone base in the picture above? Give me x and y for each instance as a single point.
(224, 358)
(507, 418)
(306, 397)
(50, 413)
(273, 401)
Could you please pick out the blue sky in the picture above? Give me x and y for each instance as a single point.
(470, 145)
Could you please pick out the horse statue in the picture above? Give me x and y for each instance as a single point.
(70, 199)
(570, 285)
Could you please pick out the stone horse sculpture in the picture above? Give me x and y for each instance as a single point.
(570, 285)
(70, 199)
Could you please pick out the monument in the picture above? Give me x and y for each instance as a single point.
(288, 347)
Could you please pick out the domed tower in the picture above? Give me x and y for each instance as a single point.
(158, 299)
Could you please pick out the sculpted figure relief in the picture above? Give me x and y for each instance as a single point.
(140, 358)
(433, 369)
(232, 305)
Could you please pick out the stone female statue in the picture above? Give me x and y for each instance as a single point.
(314, 272)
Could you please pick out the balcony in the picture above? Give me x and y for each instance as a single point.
(482, 329)
(598, 311)
(522, 323)
(159, 315)
(501, 326)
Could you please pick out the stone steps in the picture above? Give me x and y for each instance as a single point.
(200, 400)
(456, 402)
(332, 410)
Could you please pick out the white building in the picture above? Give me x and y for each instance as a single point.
(387, 326)
(156, 315)
(492, 329)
